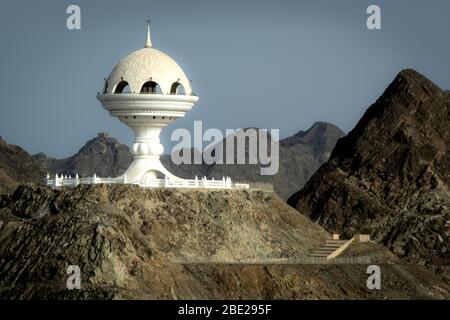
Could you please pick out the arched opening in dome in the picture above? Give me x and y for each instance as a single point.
(123, 87)
(177, 88)
(105, 87)
(151, 87)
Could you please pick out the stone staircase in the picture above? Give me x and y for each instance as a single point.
(331, 249)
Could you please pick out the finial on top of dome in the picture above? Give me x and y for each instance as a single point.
(148, 43)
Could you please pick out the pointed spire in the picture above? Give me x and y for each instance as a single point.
(148, 43)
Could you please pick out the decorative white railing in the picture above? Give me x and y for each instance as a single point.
(203, 183)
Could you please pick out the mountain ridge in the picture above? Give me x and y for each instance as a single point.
(390, 175)
(300, 156)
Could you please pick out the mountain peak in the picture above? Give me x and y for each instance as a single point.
(319, 128)
(390, 174)
(411, 86)
(321, 136)
(410, 98)
(410, 74)
(102, 139)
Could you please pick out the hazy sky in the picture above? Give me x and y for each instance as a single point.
(269, 64)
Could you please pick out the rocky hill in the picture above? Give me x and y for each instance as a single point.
(17, 167)
(390, 176)
(137, 243)
(300, 156)
(103, 155)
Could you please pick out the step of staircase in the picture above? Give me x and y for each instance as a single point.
(327, 249)
(336, 241)
(322, 251)
(328, 246)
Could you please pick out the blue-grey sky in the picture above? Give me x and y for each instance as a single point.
(269, 64)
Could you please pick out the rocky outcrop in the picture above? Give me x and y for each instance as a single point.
(17, 167)
(390, 176)
(137, 243)
(116, 234)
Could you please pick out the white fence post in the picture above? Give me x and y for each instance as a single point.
(77, 180)
(166, 181)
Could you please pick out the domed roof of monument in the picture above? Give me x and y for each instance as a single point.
(148, 64)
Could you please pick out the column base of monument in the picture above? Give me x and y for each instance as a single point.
(147, 168)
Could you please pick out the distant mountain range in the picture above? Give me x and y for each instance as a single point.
(300, 155)
(390, 176)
